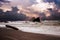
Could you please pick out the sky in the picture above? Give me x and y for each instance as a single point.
(34, 8)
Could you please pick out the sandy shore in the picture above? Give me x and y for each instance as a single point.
(10, 34)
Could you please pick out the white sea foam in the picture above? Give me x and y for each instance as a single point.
(35, 27)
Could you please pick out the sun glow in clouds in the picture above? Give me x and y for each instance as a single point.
(23, 6)
(44, 5)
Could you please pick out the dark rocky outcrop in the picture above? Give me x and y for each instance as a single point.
(36, 19)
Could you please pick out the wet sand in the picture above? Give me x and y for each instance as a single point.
(10, 34)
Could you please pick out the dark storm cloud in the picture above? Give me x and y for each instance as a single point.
(6, 1)
(11, 15)
(3, 1)
(55, 15)
(49, 1)
(57, 2)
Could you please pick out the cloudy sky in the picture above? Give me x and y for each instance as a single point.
(34, 8)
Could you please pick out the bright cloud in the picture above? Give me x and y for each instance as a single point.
(41, 6)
